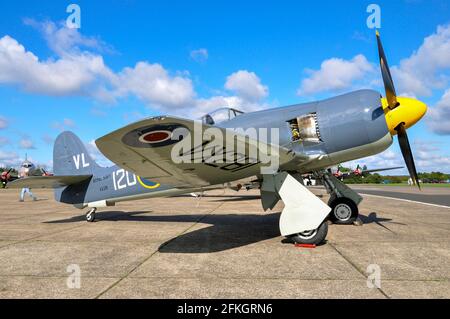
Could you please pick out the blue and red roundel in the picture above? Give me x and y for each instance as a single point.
(155, 135)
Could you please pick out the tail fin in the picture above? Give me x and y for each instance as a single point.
(70, 156)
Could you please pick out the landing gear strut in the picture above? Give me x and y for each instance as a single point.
(343, 200)
(90, 215)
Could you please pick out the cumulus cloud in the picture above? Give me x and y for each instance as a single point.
(246, 85)
(3, 122)
(336, 74)
(65, 41)
(439, 115)
(83, 73)
(153, 84)
(425, 69)
(8, 159)
(26, 143)
(72, 75)
(428, 155)
(77, 69)
(96, 155)
(199, 55)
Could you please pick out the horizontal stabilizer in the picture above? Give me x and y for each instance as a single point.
(48, 181)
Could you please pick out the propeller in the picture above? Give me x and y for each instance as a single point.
(401, 113)
(407, 154)
(391, 95)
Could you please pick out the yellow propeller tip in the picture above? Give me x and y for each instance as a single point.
(377, 33)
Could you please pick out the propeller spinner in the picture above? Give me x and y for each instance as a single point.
(401, 113)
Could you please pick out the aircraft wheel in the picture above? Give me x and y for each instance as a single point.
(315, 237)
(90, 216)
(343, 211)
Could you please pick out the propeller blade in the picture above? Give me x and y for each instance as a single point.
(407, 153)
(391, 95)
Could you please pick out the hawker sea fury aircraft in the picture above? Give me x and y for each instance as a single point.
(276, 146)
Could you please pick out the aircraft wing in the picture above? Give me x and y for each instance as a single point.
(48, 181)
(381, 169)
(147, 148)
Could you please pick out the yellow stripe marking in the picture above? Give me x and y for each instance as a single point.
(146, 186)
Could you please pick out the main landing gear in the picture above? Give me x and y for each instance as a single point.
(343, 200)
(90, 215)
(303, 219)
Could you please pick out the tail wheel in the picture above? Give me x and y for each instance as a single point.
(316, 236)
(343, 211)
(90, 216)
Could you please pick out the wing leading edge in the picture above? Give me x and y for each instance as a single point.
(147, 148)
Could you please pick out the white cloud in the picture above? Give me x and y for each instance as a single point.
(64, 125)
(26, 143)
(76, 71)
(246, 85)
(204, 106)
(65, 41)
(48, 139)
(96, 155)
(199, 55)
(153, 84)
(3, 122)
(84, 73)
(439, 116)
(428, 156)
(77, 74)
(3, 141)
(336, 75)
(423, 71)
(388, 158)
(8, 159)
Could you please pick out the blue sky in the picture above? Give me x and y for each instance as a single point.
(132, 59)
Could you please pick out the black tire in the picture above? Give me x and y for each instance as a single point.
(314, 237)
(90, 217)
(344, 211)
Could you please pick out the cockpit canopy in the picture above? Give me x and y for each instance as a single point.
(220, 115)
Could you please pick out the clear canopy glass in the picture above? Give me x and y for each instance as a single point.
(220, 115)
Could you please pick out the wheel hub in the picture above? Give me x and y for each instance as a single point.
(308, 234)
(343, 212)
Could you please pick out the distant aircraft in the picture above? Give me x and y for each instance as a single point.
(27, 168)
(312, 137)
(359, 171)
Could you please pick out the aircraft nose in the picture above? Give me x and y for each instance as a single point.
(409, 112)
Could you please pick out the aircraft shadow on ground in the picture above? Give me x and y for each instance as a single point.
(373, 218)
(212, 233)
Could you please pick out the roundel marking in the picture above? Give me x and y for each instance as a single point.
(157, 136)
(147, 184)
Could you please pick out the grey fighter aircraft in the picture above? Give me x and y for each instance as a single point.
(308, 138)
